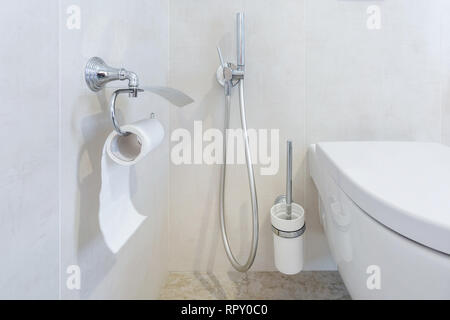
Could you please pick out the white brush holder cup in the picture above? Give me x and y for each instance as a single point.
(288, 236)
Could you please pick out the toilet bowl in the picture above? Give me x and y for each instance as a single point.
(385, 209)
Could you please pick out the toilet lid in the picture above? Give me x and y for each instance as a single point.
(403, 185)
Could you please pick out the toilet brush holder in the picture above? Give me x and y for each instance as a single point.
(288, 237)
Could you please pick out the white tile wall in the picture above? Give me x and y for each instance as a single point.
(29, 162)
(133, 35)
(445, 70)
(43, 91)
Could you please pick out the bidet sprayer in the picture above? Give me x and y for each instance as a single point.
(240, 38)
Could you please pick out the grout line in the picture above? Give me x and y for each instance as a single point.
(169, 125)
(441, 79)
(305, 113)
(59, 156)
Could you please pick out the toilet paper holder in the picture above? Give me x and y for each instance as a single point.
(97, 74)
(112, 108)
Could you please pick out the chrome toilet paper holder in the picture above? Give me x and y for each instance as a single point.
(97, 74)
(112, 108)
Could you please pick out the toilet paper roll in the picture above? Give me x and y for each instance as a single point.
(118, 217)
(143, 137)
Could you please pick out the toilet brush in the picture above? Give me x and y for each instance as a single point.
(288, 226)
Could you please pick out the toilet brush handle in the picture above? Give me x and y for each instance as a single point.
(289, 179)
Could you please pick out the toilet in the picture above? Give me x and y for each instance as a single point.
(385, 210)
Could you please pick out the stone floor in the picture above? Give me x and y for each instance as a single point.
(308, 285)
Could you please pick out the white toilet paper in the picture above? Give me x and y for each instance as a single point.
(118, 217)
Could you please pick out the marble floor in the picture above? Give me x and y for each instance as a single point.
(308, 285)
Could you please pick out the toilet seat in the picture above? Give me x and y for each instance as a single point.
(403, 185)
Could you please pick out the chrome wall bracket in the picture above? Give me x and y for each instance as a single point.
(228, 74)
(97, 74)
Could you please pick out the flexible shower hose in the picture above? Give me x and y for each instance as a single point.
(251, 180)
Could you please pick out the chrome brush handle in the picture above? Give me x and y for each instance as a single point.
(289, 179)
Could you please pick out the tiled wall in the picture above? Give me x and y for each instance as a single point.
(49, 217)
(445, 70)
(133, 35)
(316, 72)
(29, 162)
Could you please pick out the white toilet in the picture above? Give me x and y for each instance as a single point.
(385, 209)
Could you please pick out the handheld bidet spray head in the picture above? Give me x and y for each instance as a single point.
(240, 40)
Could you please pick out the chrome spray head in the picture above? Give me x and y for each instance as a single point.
(240, 40)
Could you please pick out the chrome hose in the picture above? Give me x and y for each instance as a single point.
(251, 180)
